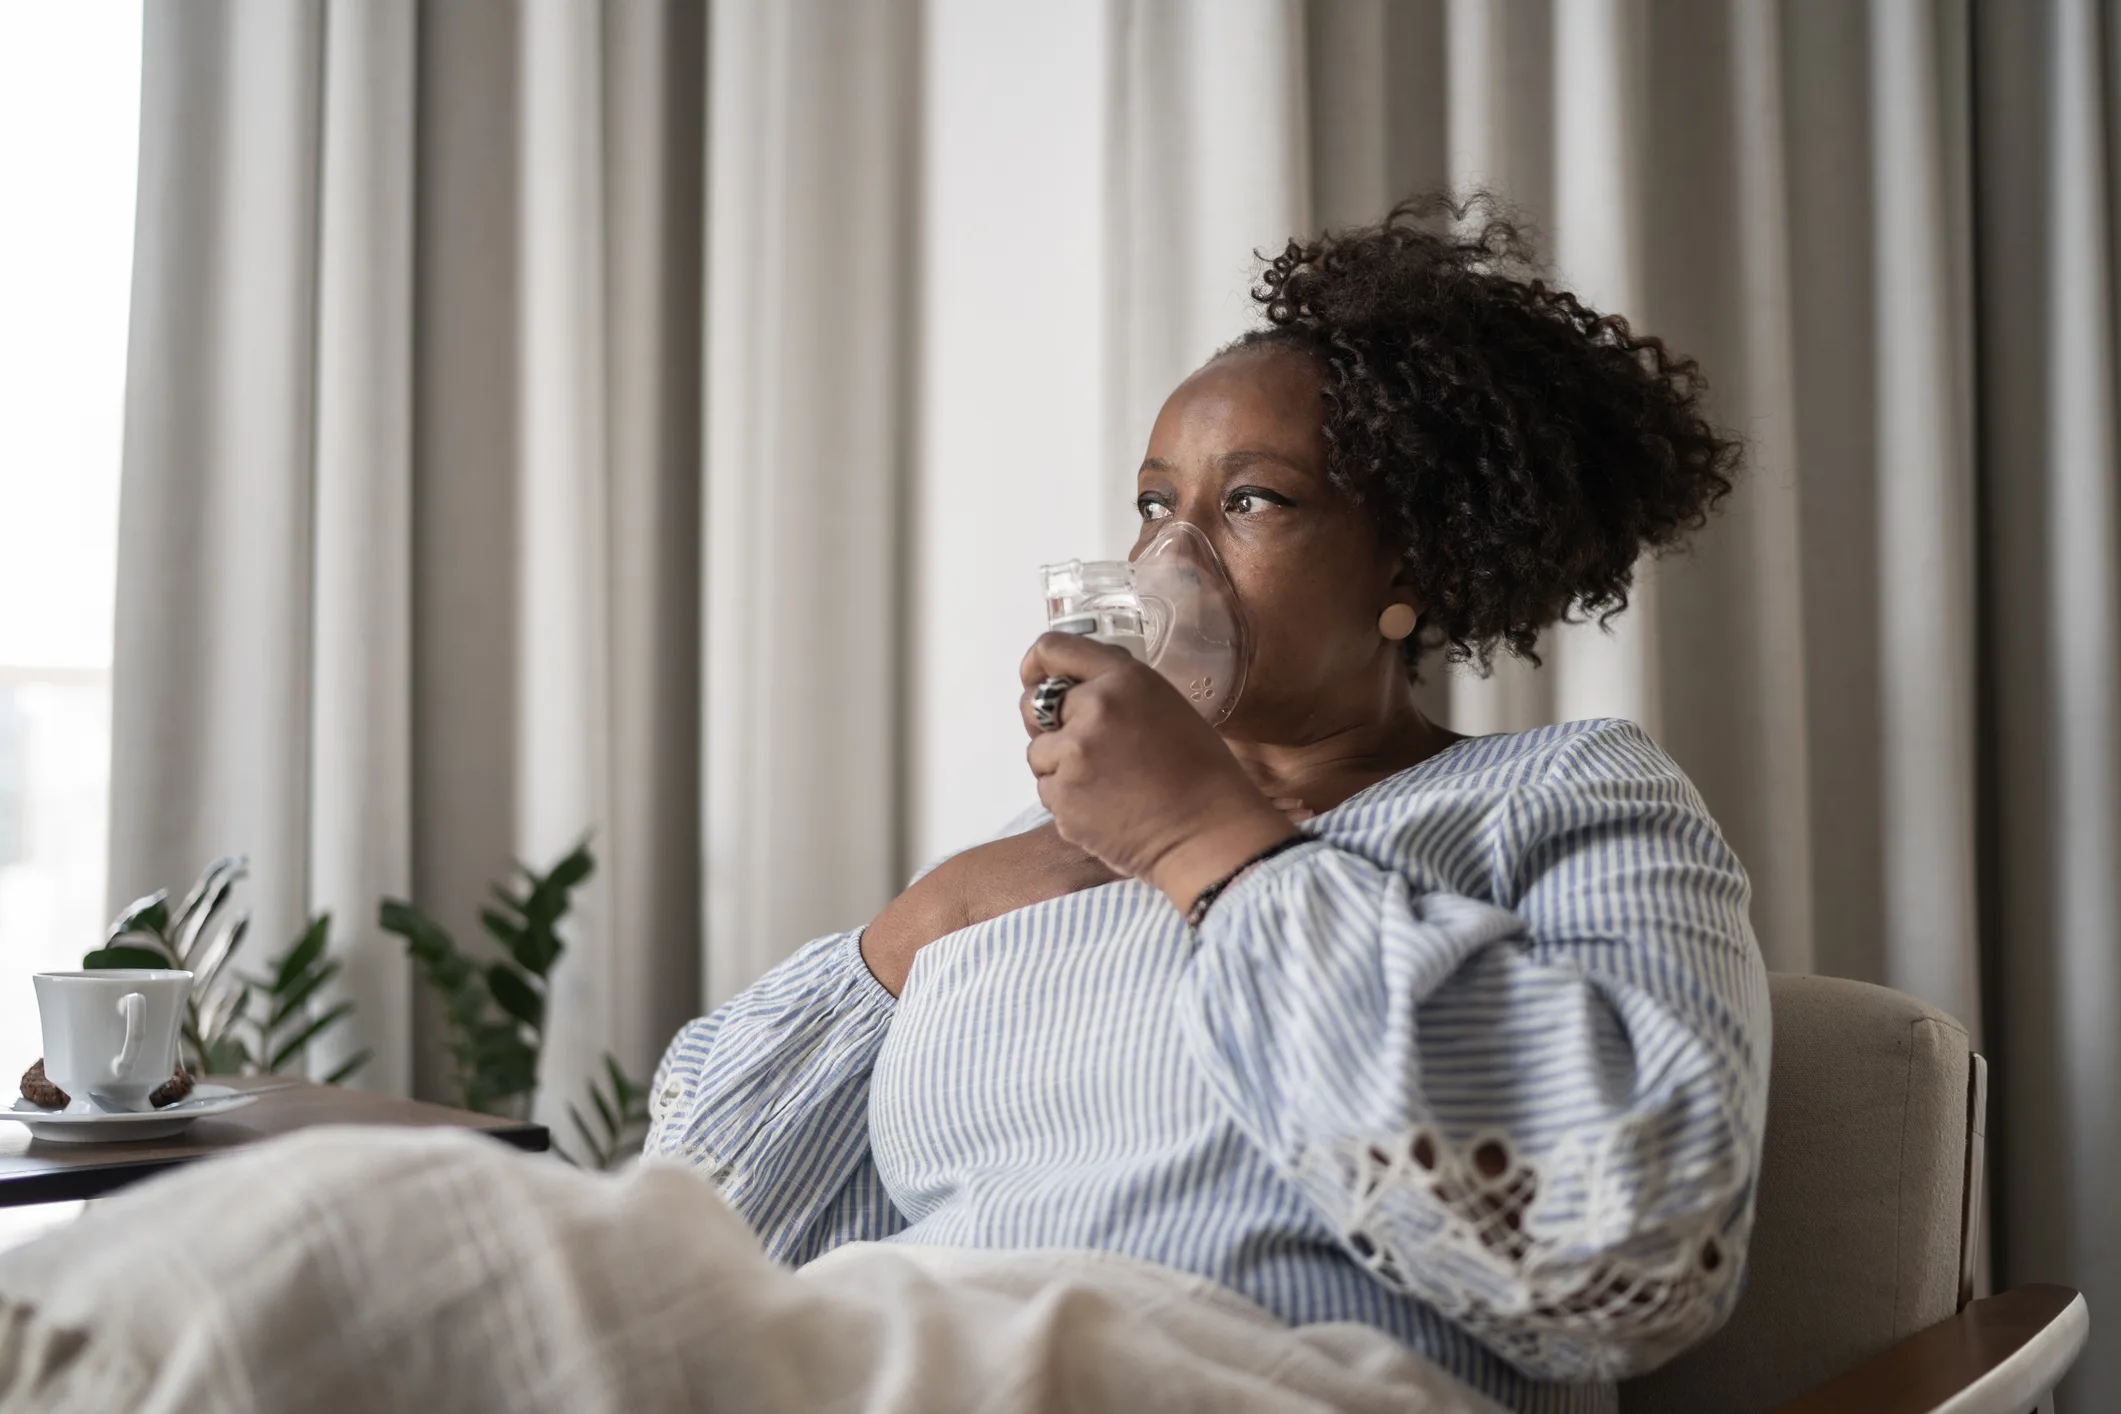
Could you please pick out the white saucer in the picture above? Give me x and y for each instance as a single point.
(83, 1123)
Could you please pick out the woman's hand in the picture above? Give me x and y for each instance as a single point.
(1135, 777)
(983, 882)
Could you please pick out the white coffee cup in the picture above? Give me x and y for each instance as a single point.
(111, 1034)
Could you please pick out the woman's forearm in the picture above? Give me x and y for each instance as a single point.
(1218, 850)
(1542, 1118)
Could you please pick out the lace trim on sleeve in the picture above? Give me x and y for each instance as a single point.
(1553, 1282)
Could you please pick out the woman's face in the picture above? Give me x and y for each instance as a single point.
(1239, 450)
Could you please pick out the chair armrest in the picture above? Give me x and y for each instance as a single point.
(2000, 1355)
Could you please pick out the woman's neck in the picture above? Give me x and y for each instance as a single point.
(1329, 763)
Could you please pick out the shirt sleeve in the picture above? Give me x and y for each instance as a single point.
(1543, 1119)
(770, 1097)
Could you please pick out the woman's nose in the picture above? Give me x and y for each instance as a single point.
(1207, 523)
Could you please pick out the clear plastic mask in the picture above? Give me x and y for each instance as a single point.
(1171, 606)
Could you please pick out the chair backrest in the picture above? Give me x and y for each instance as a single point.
(1858, 1235)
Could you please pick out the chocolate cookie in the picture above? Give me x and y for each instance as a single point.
(41, 1092)
(174, 1089)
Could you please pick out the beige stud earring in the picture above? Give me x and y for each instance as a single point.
(1397, 621)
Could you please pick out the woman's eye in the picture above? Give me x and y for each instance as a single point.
(1251, 502)
(1151, 508)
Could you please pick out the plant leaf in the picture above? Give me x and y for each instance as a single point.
(203, 902)
(221, 1010)
(227, 1056)
(292, 1047)
(347, 1067)
(506, 1072)
(496, 1011)
(611, 1121)
(215, 879)
(589, 1141)
(499, 1045)
(541, 949)
(534, 947)
(126, 955)
(577, 866)
(287, 1004)
(494, 1041)
(447, 969)
(217, 953)
(307, 949)
(466, 1007)
(408, 922)
(516, 996)
(430, 945)
(505, 929)
(142, 915)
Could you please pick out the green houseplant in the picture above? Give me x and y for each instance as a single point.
(619, 1107)
(496, 1010)
(222, 1034)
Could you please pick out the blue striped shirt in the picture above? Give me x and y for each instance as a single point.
(1484, 1066)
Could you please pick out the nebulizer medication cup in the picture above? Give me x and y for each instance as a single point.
(1171, 606)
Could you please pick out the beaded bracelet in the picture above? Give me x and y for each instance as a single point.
(1214, 891)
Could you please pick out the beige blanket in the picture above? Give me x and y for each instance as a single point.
(363, 1271)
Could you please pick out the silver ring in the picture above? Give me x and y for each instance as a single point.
(1046, 701)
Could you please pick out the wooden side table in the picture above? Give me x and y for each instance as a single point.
(37, 1171)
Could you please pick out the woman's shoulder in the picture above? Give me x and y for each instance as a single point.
(1483, 781)
(1607, 748)
(1585, 749)
(1475, 811)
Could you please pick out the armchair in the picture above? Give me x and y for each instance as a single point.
(1860, 1284)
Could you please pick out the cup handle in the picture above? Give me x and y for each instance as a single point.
(133, 1007)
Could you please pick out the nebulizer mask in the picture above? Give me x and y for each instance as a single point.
(1171, 606)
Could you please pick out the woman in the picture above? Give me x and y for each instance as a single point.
(1336, 1061)
(1476, 1054)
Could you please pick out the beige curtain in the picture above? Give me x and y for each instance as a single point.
(810, 376)
(417, 496)
(2048, 158)
(410, 509)
(1894, 664)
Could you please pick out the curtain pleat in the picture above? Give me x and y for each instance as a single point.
(1765, 579)
(2046, 85)
(654, 245)
(360, 728)
(1009, 445)
(1923, 470)
(466, 440)
(210, 740)
(1208, 163)
(565, 690)
(1499, 132)
(811, 208)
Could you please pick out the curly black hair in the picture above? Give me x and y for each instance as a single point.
(1522, 449)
